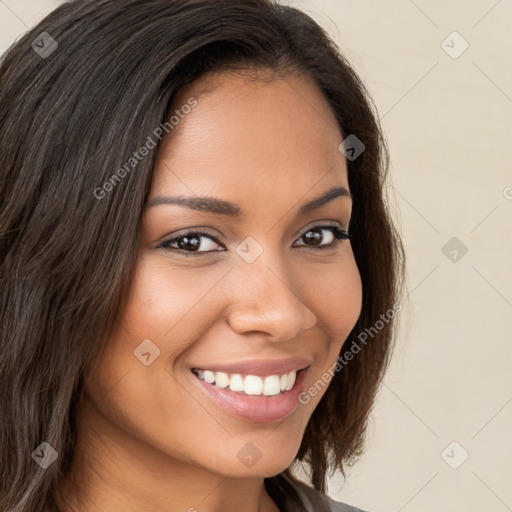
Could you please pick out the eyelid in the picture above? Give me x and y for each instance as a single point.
(200, 231)
(194, 230)
(320, 224)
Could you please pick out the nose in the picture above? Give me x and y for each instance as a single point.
(267, 300)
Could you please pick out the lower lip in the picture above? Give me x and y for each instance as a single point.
(255, 408)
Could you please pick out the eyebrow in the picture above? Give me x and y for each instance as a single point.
(221, 207)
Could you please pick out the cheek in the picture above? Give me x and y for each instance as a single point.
(337, 304)
(155, 329)
(335, 296)
(141, 400)
(164, 305)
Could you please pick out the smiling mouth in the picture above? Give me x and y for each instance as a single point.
(254, 385)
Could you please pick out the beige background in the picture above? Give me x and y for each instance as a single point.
(449, 126)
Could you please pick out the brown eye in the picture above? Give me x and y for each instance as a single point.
(191, 242)
(195, 243)
(314, 236)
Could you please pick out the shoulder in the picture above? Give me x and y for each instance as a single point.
(315, 501)
(338, 506)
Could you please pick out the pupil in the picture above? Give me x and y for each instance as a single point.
(315, 236)
(189, 242)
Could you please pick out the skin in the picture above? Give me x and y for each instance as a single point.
(148, 440)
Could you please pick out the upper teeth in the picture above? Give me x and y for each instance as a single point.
(251, 384)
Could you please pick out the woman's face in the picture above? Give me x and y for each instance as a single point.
(266, 286)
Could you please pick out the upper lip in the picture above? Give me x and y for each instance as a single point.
(260, 367)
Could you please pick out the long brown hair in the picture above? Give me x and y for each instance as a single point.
(78, 94)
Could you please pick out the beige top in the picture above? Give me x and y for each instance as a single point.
(294, 496)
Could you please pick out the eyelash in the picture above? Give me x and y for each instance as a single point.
(339, 235)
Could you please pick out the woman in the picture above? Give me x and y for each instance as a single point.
(199, 272)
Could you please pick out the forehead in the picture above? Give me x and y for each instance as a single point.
(246, 136)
